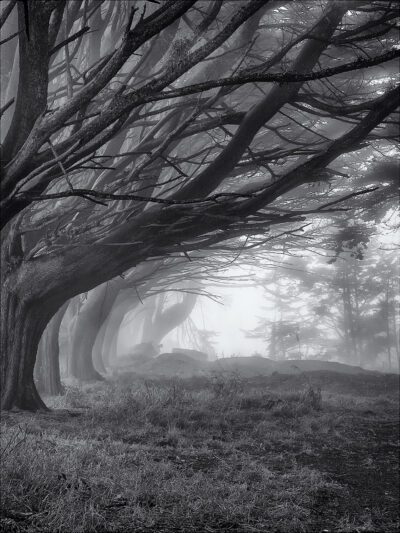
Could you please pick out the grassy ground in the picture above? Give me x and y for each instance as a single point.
(206, 454)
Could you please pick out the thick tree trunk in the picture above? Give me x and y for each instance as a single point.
(92, 315)
(21, 326)
(32, 291)
(66, 331)
(148, 320)
(97, 355)
(81, 364)
(97, 350)
(89, 321)
(105, 345)
(47, 368)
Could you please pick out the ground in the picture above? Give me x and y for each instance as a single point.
(215, 454)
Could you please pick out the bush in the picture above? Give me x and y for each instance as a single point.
(74, 397)
(313, 398)
(227, 386)
(299, 404)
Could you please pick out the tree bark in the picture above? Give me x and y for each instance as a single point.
(47, 368)
(22, 323)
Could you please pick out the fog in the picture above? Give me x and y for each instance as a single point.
(236, 312)
(305, 304)
(199, 275)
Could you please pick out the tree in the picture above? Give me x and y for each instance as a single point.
(184, 134)
(94, 323)
(47, 368)
(164, 318)
(134, 287)
(340, 306)
(94, 312)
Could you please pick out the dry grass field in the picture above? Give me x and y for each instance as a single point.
(316, 451)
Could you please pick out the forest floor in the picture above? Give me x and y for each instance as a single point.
(218, 454)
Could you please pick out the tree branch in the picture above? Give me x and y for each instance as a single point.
(281, 78)
(6, 12)
(69, 40)
(88, 193)
(6, 106)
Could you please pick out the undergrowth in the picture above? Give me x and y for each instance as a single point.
(179, 455)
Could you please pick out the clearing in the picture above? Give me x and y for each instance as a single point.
(212, 454)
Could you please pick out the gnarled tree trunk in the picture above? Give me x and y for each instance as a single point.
(23, 319)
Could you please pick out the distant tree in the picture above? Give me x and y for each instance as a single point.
(164, 317)
(344, 308)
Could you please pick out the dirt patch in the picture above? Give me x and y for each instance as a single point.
(365, 464)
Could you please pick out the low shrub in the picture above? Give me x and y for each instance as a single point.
(299, 404)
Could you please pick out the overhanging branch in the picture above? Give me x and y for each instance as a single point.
(281, 78)
(91, 194)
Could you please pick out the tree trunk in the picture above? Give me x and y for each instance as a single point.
(47, 368)
(349, 322)
(32, 291)
(393, 315)
(66, 333)
(357, 316)
(92, 315)
(21, 326)
(164, 321)
(387, 328)
(97, 355)
(89, 321)
(105, 347)
(148, 324)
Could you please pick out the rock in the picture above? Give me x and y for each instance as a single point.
(261, 366)
(141, 353)
(174, 364)
(296, 366)
(194, 354)
(145, 349)
(245, 366)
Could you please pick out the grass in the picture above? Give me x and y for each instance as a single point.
(204, 454)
